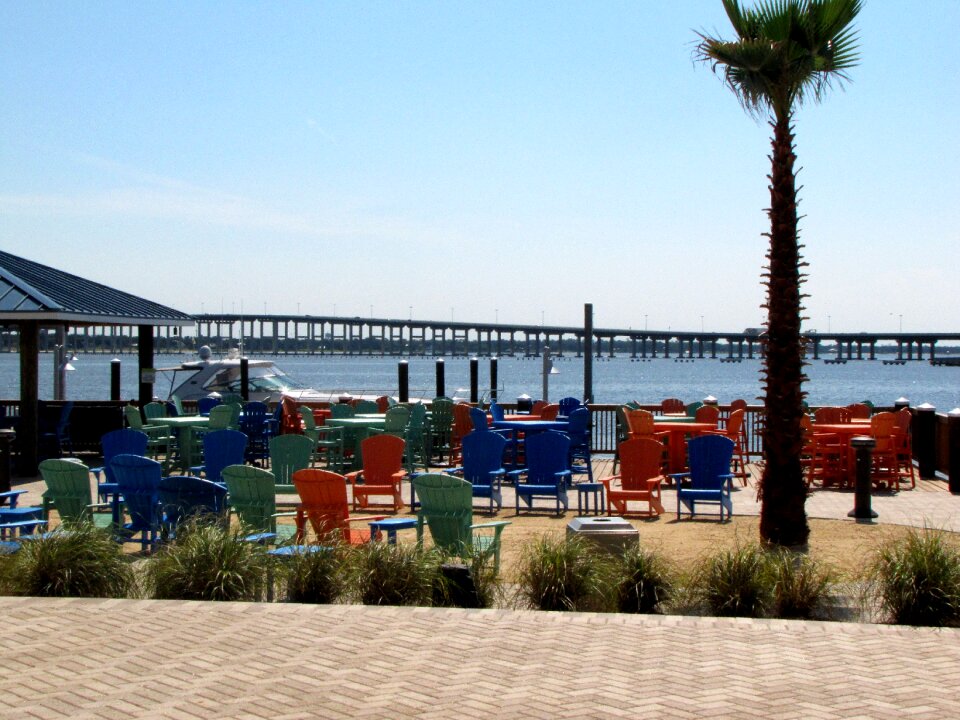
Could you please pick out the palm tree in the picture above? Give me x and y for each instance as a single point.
(786, 51)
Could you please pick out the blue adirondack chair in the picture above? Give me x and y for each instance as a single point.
(547, 473)
(578, 431)
(206, 404)
(13, 517)
(54, 438)
(479, 418)
(253, 424)
(709, 479)
(138, 482)
(221, 448)
(568, 405)
(117, 442)
(184, 496)
(483, 465)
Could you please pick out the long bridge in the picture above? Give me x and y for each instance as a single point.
(335, 335)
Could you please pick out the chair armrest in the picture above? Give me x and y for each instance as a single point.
(677, 477)
(454, 471)
(284, 514)
(13, 496)
(495, 524)
(399, 476)
(352, 477)
(516, 473)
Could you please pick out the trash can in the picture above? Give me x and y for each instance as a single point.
(611, 534)
(524, 404)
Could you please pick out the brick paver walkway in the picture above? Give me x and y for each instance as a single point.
(122, 659)
(132, 659)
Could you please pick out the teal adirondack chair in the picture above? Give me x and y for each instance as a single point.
(446, 508)
(252, 495)
(68, 492)
(289, 453)
(327, 440)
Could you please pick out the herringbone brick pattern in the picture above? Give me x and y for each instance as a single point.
(124, 659)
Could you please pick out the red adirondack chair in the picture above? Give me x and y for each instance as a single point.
(382, 472)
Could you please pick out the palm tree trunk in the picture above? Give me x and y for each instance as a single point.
(783, 518)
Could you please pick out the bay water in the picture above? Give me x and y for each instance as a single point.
(615, 380)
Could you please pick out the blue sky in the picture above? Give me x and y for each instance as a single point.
(481, 161)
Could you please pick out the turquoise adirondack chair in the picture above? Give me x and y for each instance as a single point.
(446, 508)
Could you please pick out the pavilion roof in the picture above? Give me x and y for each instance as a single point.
(31, 291)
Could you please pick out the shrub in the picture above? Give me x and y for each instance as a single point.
(917, 580)
(566, 574)
(385, 574)
(207, 562)
(735, 582)
(73, 561)
(642, 582)
(314, 577)
(801, 586)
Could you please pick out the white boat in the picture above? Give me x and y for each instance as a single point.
(195, 379)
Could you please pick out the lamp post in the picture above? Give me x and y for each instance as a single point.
(548, 370)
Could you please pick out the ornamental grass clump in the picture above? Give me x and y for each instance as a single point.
(315, 575)
(207, 562)
(916, 580)
(735, 582)
(386, 574)
(566, 574)
(642, 581)
(801, 585)
(72, 561)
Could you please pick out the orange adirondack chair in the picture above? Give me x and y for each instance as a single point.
(707, 414)
(462, 425)
(550, 411)
(382, 472)
(323, 501)
(905, 445)
(886, 467)
(734, 431)
(639, 478)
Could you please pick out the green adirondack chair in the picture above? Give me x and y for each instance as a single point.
(395, 421)
(446, 507)
(289, 453)
(252, 495)
(417, 437)
(154, 410)
(68, 492)
(327, 440)
(159, 437)
(441, 425)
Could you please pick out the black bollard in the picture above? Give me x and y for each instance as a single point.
(6, 442)
(953, 433)
(441, 380)
(458, 588)
(493, 379)
(474, 380)
(862, 510)
(244, 379)
(403, 379)
(925, 440)
(115, 380)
